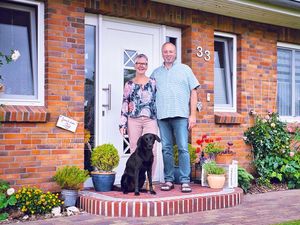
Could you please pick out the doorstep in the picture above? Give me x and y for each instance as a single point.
(164, 203)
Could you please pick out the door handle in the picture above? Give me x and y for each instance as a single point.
(108, 89)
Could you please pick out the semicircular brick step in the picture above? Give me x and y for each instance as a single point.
(164, 203)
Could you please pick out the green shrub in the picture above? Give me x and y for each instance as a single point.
(70, 177)
(212, 168)
(105, 157)
(268, 135)
(244, 179)
(7, 199)
(192, 151)
(275, 159)
(31, 200)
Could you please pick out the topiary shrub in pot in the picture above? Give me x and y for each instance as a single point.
(193, 156)
(215, 174)
(70, 179)
(104, 158)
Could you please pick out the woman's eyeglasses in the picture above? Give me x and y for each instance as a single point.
(141, 64)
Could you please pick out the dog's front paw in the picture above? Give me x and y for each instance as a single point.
(152, 192)
(136, 193)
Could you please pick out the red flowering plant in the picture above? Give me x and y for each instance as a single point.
(209, 146)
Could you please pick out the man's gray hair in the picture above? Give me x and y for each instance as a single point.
(168, 43)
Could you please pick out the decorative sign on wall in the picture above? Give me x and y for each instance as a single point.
(67, 123)
(203, 53)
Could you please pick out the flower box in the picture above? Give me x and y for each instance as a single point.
(224, 158)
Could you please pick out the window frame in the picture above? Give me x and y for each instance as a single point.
(38, 98)
(229, 107)
(293, 48)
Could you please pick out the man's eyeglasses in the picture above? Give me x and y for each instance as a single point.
(141, 64)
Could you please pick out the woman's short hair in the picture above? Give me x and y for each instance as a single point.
(141, 56)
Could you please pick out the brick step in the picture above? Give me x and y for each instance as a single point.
(164, 203)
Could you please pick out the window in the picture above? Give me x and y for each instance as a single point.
(22, 28)
(225, 72)
(173, 35)
(288, 80)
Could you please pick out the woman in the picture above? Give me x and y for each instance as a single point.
(138, 113)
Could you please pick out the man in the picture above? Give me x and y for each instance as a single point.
(176, 101)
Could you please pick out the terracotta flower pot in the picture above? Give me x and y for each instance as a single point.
(216, 181)
(224, 158)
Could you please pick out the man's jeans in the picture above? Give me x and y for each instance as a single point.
(179, 127)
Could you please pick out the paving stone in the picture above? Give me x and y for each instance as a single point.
(259, 209)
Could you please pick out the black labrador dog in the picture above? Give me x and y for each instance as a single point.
(138, 164)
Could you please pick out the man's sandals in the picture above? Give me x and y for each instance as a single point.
(185, 188)
(167, 186)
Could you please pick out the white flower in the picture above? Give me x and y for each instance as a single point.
(272, 124)
(292, 154)
(10, 191)
(245, 138)
(16, 54)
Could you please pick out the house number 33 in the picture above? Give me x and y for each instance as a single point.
(203, 53)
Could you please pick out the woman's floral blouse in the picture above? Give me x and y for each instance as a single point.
(138, 100)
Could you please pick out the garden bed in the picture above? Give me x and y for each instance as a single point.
(257, 189)
(17, 216)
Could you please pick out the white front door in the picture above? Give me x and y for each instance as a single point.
(118, 41)
(121, 42)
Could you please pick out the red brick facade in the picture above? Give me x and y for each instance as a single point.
(32, 147)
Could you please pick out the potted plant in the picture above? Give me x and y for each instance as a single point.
(212, 149)
(210, 146)
(215, 174)
(104, 158)
(70, 179)
(226, 156)
(193, 156)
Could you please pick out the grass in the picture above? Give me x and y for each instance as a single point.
(293, 222)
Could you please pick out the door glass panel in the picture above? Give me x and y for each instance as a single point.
(129, 56)
(129, 73)
(89, 95)
(173, 40)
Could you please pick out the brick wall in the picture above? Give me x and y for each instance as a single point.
(32, 150)
(32, 147)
